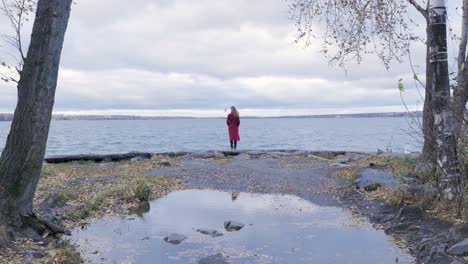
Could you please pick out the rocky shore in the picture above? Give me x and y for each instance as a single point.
(405, 205)
(389, 189)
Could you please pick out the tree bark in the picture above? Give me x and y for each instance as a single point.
(460, 95)
(22, 158)
(428, 152)
(446, 147)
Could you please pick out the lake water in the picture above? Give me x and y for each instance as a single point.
(351, 134)
(277, 229)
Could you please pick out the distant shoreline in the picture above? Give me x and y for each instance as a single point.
(60, 117)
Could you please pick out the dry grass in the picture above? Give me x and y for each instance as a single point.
(391, 195)
(402, 166)
(94, 189)
(349, 173)
(326, 155)
(392, 164)
(63, 252)
(427, 204)
(4, 236)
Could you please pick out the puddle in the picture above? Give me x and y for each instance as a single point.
(278, 229)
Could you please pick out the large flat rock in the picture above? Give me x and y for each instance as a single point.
(459, 249)
(256, 172)
(368, 178)
(98, 158)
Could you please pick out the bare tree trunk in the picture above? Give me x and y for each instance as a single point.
(446, 147)
(428, 152)
(22, 157)
(460, 95)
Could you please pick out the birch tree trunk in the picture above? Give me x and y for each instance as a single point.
(444, 123)
(460, 95)
(22, 158)
(428, 153)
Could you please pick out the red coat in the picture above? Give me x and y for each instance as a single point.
(233, 127)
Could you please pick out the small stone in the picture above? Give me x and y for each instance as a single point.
(398, 227)
(233, 226)
(38, 254)
(409, 212)
(213, 259)
(209, 232)
(459, 249)
(136, 159)
(175, 239)
(408, 179)
(372, 187)
(165, 164)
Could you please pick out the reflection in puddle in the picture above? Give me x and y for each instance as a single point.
(278, 229)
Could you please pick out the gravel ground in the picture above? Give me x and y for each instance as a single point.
(297, 174)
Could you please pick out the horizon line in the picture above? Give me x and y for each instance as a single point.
(246, 112)
(115, 116)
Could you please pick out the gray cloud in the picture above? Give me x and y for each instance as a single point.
(184, 54)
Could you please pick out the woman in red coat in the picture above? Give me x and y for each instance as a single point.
(233, 122)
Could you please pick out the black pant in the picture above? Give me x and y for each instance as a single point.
(233, 144)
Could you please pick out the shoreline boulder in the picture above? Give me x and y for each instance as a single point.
(371, 179)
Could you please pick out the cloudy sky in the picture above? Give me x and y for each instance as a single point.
(186, 57)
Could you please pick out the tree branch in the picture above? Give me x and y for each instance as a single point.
(17, 12)
(418, 7)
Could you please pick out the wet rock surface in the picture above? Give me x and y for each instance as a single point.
(426, 238)
(349, 157)
(214, 259)
(255, 171)
(459, 249)
(99, 158)
(232, 226)
(209, 232)
(175, 239)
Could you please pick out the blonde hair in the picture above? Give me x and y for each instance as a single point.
(234, 111)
